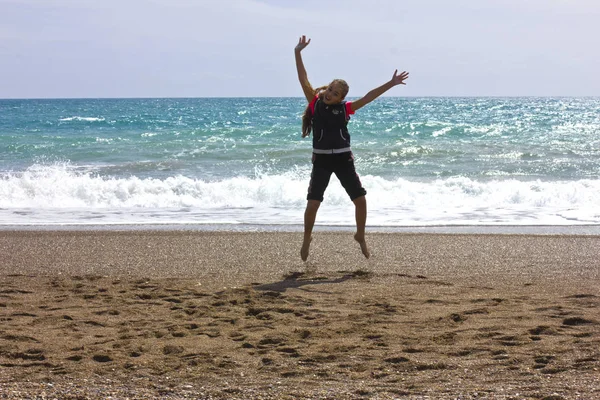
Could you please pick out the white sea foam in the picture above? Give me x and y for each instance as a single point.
(86, 119)
(60, 194)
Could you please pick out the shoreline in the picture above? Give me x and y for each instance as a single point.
(235, 315)
(580, 229)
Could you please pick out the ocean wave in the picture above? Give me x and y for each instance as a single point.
(86, 119)
(280, 198)
(64, 186)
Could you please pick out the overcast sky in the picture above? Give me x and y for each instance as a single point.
(208, 48)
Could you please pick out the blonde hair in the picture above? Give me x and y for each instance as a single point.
(307, 116)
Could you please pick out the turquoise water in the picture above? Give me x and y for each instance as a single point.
(237, 161)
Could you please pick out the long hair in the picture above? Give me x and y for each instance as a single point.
(307, 116)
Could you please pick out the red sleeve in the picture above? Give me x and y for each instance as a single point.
(312, 104)
(349, 108)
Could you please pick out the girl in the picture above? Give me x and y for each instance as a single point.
(327, 116)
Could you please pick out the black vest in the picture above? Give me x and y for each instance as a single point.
(330, 126)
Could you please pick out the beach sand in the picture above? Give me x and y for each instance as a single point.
(218, 315)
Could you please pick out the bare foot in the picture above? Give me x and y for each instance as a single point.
(363, 245)
(305, 249)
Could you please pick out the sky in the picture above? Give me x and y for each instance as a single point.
(245, 48)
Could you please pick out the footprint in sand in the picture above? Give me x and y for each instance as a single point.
(542, 361)
(102, 358)
(29, 355)
(543, 330)
(172, 349)
(575, 321)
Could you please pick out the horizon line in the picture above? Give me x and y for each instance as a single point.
(298, 97)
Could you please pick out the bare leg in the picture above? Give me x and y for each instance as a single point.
(310, 215)
(361, 221)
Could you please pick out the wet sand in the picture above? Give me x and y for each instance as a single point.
(217, 315)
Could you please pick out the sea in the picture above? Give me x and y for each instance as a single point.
(441, 164)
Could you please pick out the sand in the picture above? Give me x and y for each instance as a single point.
(217, 315)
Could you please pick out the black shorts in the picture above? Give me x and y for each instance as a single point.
(342, 165)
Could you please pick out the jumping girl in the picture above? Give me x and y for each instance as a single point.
(327, 116)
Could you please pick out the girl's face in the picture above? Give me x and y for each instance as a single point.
(333, 94)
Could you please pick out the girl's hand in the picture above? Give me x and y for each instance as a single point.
(399, 79)
(302, 43)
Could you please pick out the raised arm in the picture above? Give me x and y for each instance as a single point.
(375, 93)
(307, 88)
